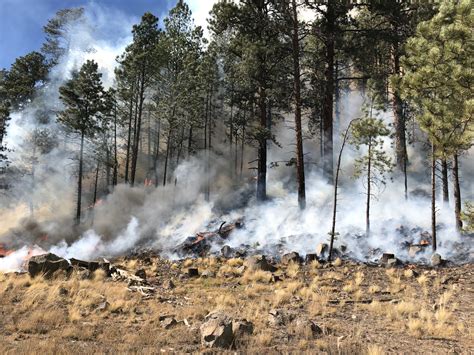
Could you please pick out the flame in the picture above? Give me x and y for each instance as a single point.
(4, 251)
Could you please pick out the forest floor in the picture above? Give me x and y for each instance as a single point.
(357, 309)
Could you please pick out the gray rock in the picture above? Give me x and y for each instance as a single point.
(309, 327)
(321, 250)
(227, 252)
(168, 323)
(259, 262)
(217, 331)
(292, 257)
(207, 274)
(168, 285)
(193, 272)
(47, 265)
(436, 260)
(141, 273)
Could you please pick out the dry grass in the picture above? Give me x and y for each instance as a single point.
(66, 311)
(256, 276)
(293, 270)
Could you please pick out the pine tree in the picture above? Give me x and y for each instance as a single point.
(83, 98)
(368, 132)
(439, 80)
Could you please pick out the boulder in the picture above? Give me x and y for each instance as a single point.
(292, 257)
(193, 272)
(168, 285)
(436, 260)
(310, 258)
(168, 323)
(47, 265)
(219, 330)
(322, 249)
(208, 274)
(308, 327)
(141, 273)
(259, 262)
(279, 317)
(91, 265)
(227, 252)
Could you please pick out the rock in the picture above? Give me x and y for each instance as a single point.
(102, 306)
(221, 331)
(385, 257)
(241, 327)
(141, 273)
(275, 278)
(292, 257)
(82, 274)
(217, 331)
(414, 250)
(392, 262)
(91, 265)
(279, 317)
(227, 252)
(207, 274)
(168, 323)
(193, 272)
(168, 285)
(47, 265)
(259, 262)
(436, 260)
(309, 327)
(321, 250)
(63, 291)
(310, 258)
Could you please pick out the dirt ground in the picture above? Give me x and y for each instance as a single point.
(358, 308)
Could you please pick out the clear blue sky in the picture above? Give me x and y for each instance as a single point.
(21, 21)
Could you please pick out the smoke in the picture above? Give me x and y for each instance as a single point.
(164, 217)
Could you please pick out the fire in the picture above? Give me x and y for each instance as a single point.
(4, 251)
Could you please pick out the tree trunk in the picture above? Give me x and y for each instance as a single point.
(262, 149)
(242, 149)
(157, 152)
(399, 119)
(96, 183)
(299, 134)
(79, 180)
(433, 197)
(369, 186)
(138, 128)
(457, 193)
(168, 147)
(129, 139)
(336, 183)
(328, 103)
(115, 171)
(444, 173)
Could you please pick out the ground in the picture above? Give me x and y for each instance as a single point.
(358, 308)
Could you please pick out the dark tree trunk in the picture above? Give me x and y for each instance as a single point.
(190, 140)
(157, 152)
(433, 197)
(262, 149)
(129, 139)
(297, 87)
(242, 149)
(336, 183)
(328, 103)
(168, 147)
(444, 174)
(399, 118)
(79, 180)
(369, 188)
(115, 171)
(457, 193)
(141, 99)
(96, 183)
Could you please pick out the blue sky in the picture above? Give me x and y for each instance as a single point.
(21, 21)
